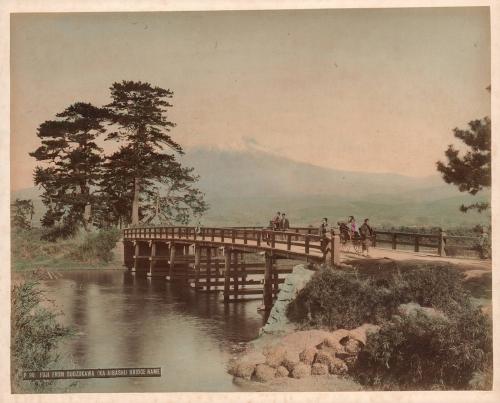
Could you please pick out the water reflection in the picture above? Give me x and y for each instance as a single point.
(126, 320)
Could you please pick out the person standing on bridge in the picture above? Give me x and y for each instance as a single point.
(285, 224)
(323, 231)
(323, 227)
(276, 222)
(353, 227)
(366, 233)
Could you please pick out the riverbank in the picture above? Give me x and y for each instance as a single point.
(92, 250)
(286, 358)
(305, 356)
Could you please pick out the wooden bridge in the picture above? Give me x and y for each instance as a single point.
(242, 262)
(232, 258)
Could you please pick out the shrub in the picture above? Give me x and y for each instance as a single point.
(35, 335)
(433, 285)
(423, 352)
(97, 246)
(337, 299)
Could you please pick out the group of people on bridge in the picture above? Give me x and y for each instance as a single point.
(348, 231)
(351, 232)
(280, 222)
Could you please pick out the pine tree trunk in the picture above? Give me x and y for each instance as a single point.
(135, 203)
(84, 191)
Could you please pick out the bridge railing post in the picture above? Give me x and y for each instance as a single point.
(306, 244)
(259, 237)
(273, 240)
(222, 235)
(288, 241)
(334, 249)
(233, 236)
(394, 242)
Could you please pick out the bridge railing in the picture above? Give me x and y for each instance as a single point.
(440, 242)
(308, 240)
(292, 240)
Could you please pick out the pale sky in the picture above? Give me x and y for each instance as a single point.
(365, 90)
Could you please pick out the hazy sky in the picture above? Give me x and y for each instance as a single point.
(365, 90)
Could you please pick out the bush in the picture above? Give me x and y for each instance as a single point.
(423, 352)
(35, 335)
(433, 285)
(97, 246)
(337, 299)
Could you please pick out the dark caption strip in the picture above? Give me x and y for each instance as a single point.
(92, 373)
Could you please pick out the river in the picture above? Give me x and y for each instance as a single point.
(125, 320)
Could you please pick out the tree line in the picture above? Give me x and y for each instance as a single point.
(141, 181)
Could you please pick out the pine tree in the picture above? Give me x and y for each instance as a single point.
(71, 166)
(116, 190)
(139, 112)
(175, 199)
(471, 172)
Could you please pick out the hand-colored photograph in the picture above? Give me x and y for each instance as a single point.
(251, 201)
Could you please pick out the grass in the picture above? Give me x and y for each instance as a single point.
(85, 250)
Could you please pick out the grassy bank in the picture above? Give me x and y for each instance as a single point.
(84, 251)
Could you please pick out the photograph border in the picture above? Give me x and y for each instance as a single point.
(10, 6)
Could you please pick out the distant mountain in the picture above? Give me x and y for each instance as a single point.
(256, 173)
(248, 187)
